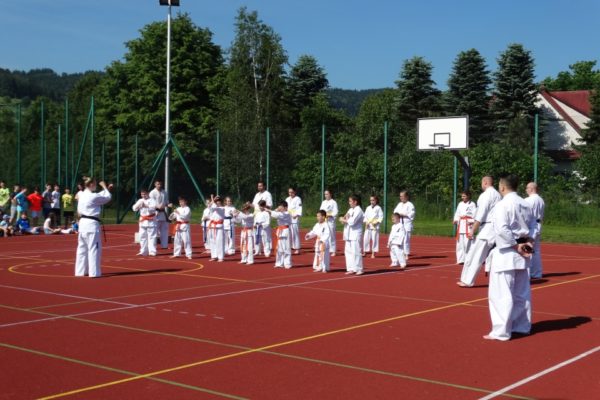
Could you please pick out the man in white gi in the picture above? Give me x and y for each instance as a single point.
(464, 220)
(283, 251)
(295, 209)
(537, 207)
(485, 238)
(262, 194)
(509, 291)
(329, 205)
(353, 223)
(89, 245)
(161, 198)
(406, 209)
(182, 216)
(147, 224)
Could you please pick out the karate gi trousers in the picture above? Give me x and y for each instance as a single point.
(247, 245)
(474, 259)
(371, 240)
(89, 254)
(354, 261)
(509, 295)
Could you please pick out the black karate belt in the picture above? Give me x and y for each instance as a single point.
(99, 221)
(538, 220)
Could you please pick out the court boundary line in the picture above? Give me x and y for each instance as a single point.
(537, 375)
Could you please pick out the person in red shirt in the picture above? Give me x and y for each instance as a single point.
(35, 205)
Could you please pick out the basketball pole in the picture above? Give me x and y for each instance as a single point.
(464, 162)
(322, 162)
(535, 148)
(454, 191)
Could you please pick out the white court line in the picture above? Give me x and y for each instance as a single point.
(64, 295)
(128, 306)
(55, 251)
(539, 374)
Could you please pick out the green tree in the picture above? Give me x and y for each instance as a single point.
(581, 76)
(132, 97)
(253, 89)
(588, 165)
(514, 94)
(416, 97)
(306, 79)
(468, 93)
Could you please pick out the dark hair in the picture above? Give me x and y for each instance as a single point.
(511, 181)
(36, 188)
(52, 217)
(406, 192)
(328, 190)
(181, 198)
(261, 182)
(262, 203)
(355, 198)
(283, 204)
(466, 193)
(397, 215)
(322, 213)
(376, 198)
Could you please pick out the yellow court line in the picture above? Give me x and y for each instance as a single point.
(289, 342)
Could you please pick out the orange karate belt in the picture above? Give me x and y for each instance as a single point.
(147, 217)
(276, 235)
(464, 218)
(213, 225)
(176, 225)
(246, 239)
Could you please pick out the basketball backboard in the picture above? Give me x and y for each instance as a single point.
(448, 133)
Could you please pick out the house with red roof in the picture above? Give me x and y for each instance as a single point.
(564, 115)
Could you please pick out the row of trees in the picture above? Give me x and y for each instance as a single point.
(249, 87)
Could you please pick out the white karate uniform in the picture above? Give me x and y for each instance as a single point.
(229, 227)
(322, 233)
(537, 207)
(352, 237)
(407, 209)
(147, 225)
(183, 216)
(464, 219)
(205, 233)
(262, 230)
(373, 218)
(396, 240)
(331, 208)
(246, 220)
(266, 196)
(89, 245)
(162, 225)
(216, 232)
(295, 210)
(283, 251)
(509, 291)
(485, 237)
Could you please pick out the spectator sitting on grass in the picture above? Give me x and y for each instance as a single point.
(51, 226)
(25, 228)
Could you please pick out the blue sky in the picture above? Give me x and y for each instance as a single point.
(361, 44)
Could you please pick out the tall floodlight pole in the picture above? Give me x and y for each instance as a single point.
(169, 3)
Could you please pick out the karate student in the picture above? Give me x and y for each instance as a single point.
(89, 246)
(509, 292)
(353, 222)
(373, 219)
(485, 237)
(215, 229)
(161, 199)
(147, 224)
(182, 216)
(246, 219)
(331, 208)
(283, 251)
(295, 210)
(406, 209)
(537, 206)
(229, 227)
(205, 221)
(463, 221)
(396, 242)
(262, 229)
(321, 232)
(264, 195)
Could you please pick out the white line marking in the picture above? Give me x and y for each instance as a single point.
(200, 315)
(183, 312)
(167, 310)
(540, 374)
(128, 306)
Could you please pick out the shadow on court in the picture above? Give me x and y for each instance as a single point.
(148, 272)
(559, 324)
(555, 274)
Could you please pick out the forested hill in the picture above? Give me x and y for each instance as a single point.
(36, 82)
(349, 100)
